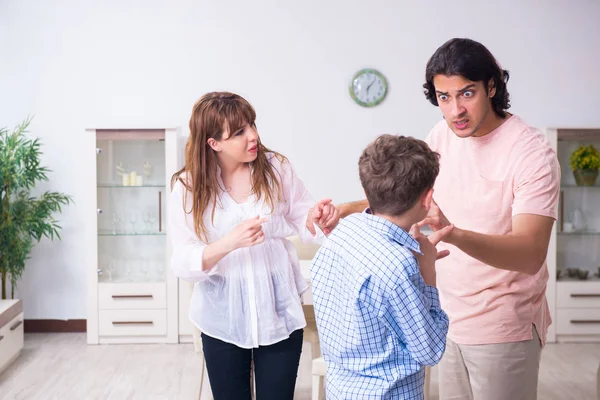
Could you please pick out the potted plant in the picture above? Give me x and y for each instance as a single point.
(24, 219)
(585, 163)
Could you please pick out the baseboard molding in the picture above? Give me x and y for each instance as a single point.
(54, 325)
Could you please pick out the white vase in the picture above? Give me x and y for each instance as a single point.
(578, 219)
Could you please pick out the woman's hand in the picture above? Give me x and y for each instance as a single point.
(325, 215)
(246, 234)
(330, 216)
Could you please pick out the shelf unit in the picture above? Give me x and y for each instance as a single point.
(132, 294)
(575, 243)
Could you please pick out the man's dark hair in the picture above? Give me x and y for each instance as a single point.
(395, 171)
(473, 61)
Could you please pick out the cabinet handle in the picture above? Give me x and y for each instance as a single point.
(585, 321)
(132, 296)
(1, 337)
(16, 325)
(575, 295)
(133, 322)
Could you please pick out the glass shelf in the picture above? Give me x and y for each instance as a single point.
(105, 278)
(114, 185)
(583, 233)
(105, 232)
(567, 279)
(579, 187)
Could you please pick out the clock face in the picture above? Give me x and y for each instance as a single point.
(368, 87)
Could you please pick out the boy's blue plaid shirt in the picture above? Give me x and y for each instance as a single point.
(378, 322)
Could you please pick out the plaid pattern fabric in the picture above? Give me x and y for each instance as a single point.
(379, 323)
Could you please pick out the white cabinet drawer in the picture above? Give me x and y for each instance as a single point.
(578, 294)
(11, 340)
(127, 296)
(132, 322)
(578, 321)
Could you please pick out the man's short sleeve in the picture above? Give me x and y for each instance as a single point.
(537, 184)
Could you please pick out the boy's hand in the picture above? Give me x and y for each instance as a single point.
(430, 254)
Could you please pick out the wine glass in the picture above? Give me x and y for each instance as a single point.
(112, 269)
(145, 267)
(152, 219)
(147, 221)
(132, 220)
(160, 270)
(116, 218)
(129, 270)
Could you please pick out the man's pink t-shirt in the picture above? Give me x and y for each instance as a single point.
(483, 183)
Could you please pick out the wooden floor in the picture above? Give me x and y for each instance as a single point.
(63, 366)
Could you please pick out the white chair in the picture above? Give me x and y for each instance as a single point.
(319, 370)
(305, 253)
(427, 382)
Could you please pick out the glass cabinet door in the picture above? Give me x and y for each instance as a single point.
(131, 188)
(578, 240)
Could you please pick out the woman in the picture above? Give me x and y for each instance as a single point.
(231, 209)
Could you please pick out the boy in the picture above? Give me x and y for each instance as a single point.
(376, 304)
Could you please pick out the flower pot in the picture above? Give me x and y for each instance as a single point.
(583, 274)
(585, 177)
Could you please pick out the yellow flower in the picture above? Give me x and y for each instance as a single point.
(585, 157)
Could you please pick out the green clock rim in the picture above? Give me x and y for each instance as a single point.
(375, 102)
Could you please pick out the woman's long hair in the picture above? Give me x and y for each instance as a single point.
(211, 115)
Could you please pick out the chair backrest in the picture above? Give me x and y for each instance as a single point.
(306, 251)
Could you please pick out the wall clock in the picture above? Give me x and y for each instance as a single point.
(368, 87)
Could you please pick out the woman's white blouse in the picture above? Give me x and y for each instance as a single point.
(251, 297)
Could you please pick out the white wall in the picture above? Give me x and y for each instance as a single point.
(85, 64)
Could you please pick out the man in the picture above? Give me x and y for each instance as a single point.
(498, 185)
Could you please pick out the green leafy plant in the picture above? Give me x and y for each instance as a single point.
(24, 219)
(585, 157)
